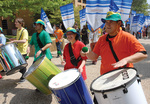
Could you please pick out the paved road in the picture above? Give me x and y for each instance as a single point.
(24, 93)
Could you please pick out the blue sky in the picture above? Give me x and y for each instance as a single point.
(148, 1)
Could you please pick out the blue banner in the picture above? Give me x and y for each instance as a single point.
(113, 6)
(82, 18)
(124, 8)
(67, 14)
(95, 10)
(48, 26)
(138, 23)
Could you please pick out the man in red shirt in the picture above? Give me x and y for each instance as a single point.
(127, 48)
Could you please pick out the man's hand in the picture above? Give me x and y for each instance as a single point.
(120, 63)
(38, 53)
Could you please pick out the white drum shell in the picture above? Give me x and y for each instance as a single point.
(135, 95)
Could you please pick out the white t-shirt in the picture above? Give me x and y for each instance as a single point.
(95, 37)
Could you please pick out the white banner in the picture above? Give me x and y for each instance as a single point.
(124, 8)
(82, 18)
(67, 13)
(95, 10)
(48, 26)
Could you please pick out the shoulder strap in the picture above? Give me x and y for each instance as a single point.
(73, 60)
(112, 50)
(39, 41)
(20, 34)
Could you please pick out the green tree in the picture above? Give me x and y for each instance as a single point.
(140, 6)
(11, 7)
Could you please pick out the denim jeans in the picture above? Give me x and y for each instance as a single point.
(58, 44)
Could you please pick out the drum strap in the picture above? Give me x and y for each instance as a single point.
(112, 50)
(73, 60)
(39, 42)
(20, 34)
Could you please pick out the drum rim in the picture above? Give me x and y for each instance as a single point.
(26, 74)
(16, 68)
(121, 86)
(7, 44)
(67, 84)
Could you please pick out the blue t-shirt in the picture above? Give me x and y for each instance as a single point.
(2, 39)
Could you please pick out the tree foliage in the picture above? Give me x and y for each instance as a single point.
(140, 6)
(51, 7)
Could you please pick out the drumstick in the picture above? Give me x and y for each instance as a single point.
(61, 58)
(27, 57)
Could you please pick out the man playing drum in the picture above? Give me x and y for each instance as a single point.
(125, 46)
(22, 41)
(41, 41)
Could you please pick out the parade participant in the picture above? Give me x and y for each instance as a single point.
(71, 53)
(2, 38)
(41, 41)
(2, 42)
(58, 34)
(93, 36)
(126, 47)
(84, 34)
(21, 40)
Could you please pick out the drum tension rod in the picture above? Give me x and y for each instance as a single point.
(138, 79)
(125, 90)
(104, 95)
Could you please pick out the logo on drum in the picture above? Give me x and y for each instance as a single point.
(56, 84)
(125, 75)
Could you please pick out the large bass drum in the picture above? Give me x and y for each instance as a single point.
(120, 86)
(14, 61)
(69, 88)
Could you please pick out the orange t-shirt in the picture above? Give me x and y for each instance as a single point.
(124, 45)
(59, 34)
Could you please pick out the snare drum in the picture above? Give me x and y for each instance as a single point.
(120, 86)
(12, 58)
(69, 88)
(40, 73)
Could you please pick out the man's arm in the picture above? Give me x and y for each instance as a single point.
(90, 54)
(130, 59)
(43, 49)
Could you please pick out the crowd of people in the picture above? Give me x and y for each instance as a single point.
(125, 46)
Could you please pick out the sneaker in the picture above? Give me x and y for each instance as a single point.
(37, 90)
(21, 81)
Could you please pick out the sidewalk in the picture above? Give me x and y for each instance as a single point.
(24, 93)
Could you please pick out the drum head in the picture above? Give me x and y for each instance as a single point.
(113, 80)
(64, 79)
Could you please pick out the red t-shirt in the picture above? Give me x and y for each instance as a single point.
(124, 45)
(77, 47)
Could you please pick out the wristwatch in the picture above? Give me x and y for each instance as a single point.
(41, 49)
